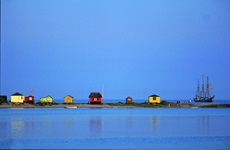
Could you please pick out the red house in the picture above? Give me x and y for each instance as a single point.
(29, 99)
(95, 98)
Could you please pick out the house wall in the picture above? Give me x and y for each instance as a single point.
(46, 99)
(92, 100)
(29, 99)
(49, 99)
(129, 100)
(43, 99)
(68, 99)
(154, 99)
(17, 99)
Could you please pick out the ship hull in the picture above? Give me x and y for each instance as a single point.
(204, 100)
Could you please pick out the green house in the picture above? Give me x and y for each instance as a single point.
(46, 99)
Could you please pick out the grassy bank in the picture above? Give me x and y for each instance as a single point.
(163, 104)
(215, 106)
(46, 103)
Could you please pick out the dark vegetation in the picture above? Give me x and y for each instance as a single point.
(162, 104)
(3, 100)
(68, 103)
(215, 106)
(46, 103)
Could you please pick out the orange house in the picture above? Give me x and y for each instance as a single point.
(68, 99)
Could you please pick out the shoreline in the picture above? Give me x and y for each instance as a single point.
(112, 105)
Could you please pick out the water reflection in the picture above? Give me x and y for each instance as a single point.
(68, 122)
(95, 125)
(46, 124)
(129, 122)
(204, 125)
(29, 125)
(17, 128)
(143, 127)
(183, 125)
(154, 124)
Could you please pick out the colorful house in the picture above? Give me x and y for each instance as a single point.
(95, 97)
(154, 99)
(3, 99)
(68, 99)
(17, 98)
(129, 100)
(48, 99)
(29, 99)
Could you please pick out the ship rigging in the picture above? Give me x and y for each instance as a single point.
(203, 94)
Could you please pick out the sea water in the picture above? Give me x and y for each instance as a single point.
(115, 128)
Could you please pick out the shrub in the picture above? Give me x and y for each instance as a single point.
(46, 103)
(164, 102)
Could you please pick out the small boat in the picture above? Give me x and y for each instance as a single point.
(194, 107)
(70, 106)
(203, 95)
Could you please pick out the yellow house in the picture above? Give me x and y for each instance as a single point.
(46, 99)
(17, 98)
(154, 99)
(68, 99)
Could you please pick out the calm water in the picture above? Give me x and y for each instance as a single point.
(115, 128)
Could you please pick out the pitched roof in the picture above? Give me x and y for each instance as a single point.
(154, 95)
(17, 94)
(95, 95)
(30, 96)
(69, 96)
(47, 96)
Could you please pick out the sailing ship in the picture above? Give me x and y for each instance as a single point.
(203, 94)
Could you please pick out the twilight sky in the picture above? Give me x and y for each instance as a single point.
(133, 47)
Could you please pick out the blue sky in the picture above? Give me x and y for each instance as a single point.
(133, 47)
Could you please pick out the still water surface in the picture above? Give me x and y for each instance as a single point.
(114, 128)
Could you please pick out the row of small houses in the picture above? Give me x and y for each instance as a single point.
(94, 97)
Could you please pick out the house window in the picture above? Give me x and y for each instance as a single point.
(154, 98)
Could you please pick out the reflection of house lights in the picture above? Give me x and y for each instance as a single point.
(17, 127)
(154, 122)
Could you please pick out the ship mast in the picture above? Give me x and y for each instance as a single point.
(208, 88)
(202, 90)
(198, 89)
